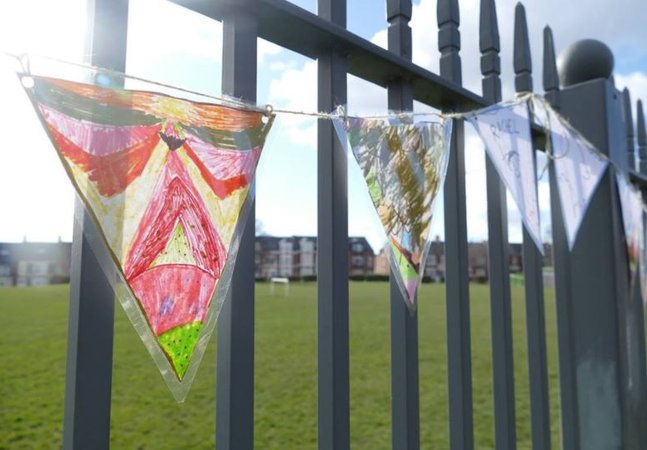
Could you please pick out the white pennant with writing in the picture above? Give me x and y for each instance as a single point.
(578, 169)
(632, 220)
(505, 131)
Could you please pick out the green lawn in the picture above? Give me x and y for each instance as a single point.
(144, 416)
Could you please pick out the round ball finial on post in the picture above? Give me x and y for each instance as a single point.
(584, 60)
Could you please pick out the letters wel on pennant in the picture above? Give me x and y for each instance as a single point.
(166, 180)
(578, 168)
(505, 132)
(404, 167)
(632, 220)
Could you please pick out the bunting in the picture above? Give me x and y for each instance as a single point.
(404, 167)
(578, 168)
(166, 181)
(505, 132)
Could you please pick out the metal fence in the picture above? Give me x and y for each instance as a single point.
(603, 375)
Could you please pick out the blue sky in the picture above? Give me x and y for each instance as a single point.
(37, 200)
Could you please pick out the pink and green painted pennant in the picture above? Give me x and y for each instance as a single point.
(166, 180)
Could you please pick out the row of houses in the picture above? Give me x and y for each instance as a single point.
(33, 264)
(477, 260)
(296, 256)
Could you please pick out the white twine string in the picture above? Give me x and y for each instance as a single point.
(24, 61)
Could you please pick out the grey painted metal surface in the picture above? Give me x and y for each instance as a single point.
(332, 250)
(88, 381)
(630, 163)
(632, 322)
(562, 268)
(584, 60)
(641, 138)
(595, 286)
(532, 269)
(459, 350)
(498, 249)
(235, 365)
(603, 310)
(405, 420)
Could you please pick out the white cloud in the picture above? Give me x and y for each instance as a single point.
(295, 90)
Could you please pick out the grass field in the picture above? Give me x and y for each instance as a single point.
(144, 416)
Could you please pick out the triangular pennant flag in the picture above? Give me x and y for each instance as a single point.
(578, 168)
(404, 167)
(166, 181)
(632, 220)
(505, 131)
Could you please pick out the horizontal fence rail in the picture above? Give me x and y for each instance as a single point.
(601, 336)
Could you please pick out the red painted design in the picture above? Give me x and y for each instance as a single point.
(223, 170)
(113, 172)
(175, 199)
(95, 138)
(173, 295)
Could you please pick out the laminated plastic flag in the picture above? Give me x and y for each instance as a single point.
(167, 182)
(404, 166)
(505, 131)
(578, 168)
(632, 220)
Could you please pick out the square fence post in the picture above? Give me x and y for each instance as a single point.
(610, 392)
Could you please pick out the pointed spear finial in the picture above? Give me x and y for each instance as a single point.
(522, 59)
(490, 46)
(449, 39)
(550, 78)
(641, 138)
(629, 128)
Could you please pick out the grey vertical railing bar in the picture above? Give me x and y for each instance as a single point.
(629, 129)
(235, 364)
(550, 77)
(405, 416)
(332, 251)
(499, 276)
(88, 381)
(459, 352)
(561, 263)
(641, 138)
(521, 58)
(532, 269)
